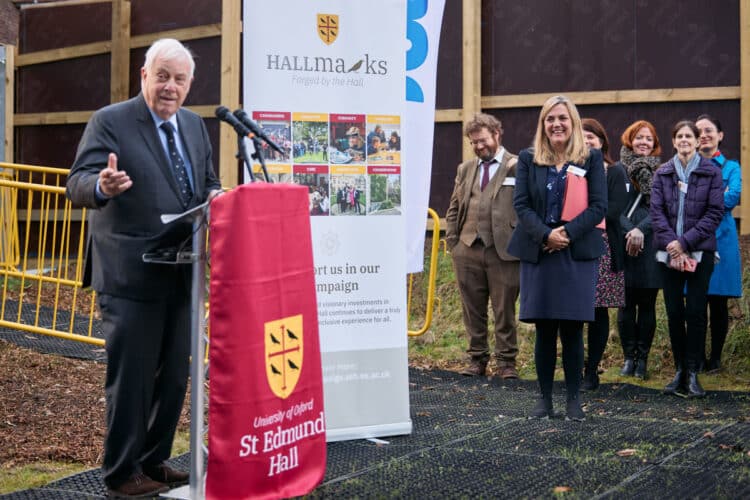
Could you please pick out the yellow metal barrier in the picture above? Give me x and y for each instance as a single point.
(41, 260)
(42, 244)
(430, 279)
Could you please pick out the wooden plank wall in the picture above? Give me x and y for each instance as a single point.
(619, 61)
(661, 60)
(133, 26)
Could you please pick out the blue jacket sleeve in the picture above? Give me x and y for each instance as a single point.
(733, 173)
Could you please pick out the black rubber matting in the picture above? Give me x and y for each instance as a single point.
(47, 344)
(471, 439)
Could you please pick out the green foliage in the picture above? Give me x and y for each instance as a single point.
(445, 342)
(377, 187)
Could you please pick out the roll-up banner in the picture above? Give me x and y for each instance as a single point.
(325, 80)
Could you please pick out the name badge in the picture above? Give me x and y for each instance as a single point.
(509, 181)
(682, 186)
(576, 171)
(627, 187)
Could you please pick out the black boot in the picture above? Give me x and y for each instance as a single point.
(677, 385)
(714, 365)
(628, 367)
(573, 410)
(640, 368)
(590, 381)
(543, 408)
(694, 389)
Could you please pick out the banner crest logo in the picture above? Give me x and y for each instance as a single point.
(328, 27)
(283, 341)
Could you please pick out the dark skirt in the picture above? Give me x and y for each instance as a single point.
(558, 287)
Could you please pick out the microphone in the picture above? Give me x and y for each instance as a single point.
(223, 114)
(255, 129)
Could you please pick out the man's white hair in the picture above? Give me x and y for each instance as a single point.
(168, 49)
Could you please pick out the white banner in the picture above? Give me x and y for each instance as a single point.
(325, 80)
(424, 18)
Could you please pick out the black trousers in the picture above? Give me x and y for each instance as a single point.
(637, 322)
(685, 301)
(718, 306)
(148, 350)
(545, 354)
(598, 335)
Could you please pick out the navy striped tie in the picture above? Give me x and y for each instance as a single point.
(180, 172)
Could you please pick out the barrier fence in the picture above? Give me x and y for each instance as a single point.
(42, 250)
(42, 239)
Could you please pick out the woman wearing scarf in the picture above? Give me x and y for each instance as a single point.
(687, 204)
(726, 280)
(637, 320)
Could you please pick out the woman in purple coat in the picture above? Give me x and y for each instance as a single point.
(687, 204)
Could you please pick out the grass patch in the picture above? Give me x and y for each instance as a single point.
(35, 475)
(444, 343)
(38, 474)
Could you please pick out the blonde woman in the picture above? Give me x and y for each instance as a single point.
(559, 259)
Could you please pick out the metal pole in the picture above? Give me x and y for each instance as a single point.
(197, 351)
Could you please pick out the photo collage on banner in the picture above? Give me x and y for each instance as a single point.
(332, 96)
(350, 163)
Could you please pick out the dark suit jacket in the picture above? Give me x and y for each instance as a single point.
(125, 227)
(503, 216)
(530, 202)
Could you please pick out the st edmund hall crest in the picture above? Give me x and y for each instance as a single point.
(283, 341)
(328, 27)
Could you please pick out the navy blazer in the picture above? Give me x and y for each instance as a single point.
(530, 203)
(125, 227)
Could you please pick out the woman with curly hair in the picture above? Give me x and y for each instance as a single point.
(637, 320)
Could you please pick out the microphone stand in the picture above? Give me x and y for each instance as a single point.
(242, 155)
(196, 256)
(258, 155)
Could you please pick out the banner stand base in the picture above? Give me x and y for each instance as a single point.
(179, 493)
(373, 431)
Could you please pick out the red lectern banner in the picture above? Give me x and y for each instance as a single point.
(266, 422)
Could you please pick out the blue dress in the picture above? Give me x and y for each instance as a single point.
(726, 279)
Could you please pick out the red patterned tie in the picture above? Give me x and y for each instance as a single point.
(485, 175)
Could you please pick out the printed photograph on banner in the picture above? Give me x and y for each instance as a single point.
(277, 126)
(316, 178)
(383, 140)
(309, 137)
(347, 144)
(350, 192)
(277, 173)
(384, 190)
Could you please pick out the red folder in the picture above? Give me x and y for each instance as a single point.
(576, 198)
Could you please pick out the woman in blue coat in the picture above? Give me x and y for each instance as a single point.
(559, 258)
(726, 280)
(687, 205)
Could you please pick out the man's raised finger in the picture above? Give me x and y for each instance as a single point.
(112, 161)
